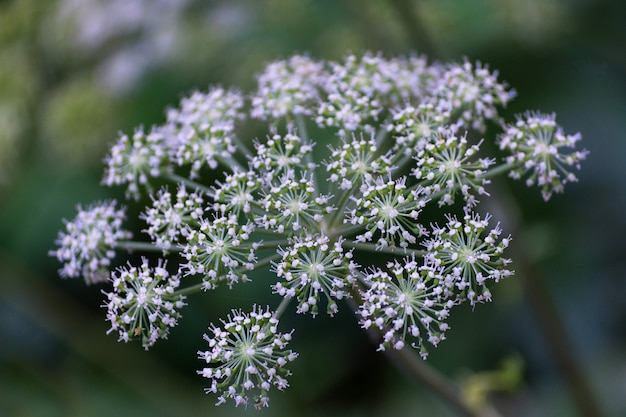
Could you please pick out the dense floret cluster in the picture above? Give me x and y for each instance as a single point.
(387, 216)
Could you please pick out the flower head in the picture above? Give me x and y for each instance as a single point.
(86, 248)
(406, 304)
(469, 254)
(473, 91)
(143, 303)
(237, 192)
(246, 357)
(202, 128)
(356, 161)
(292, 204)
(169, 221)
(218, 250)
(288, 87)
(313, 267)
(281, 155)
(446, 167)
(386, 208)
(134, 159)
(541, 149)
(414, 127)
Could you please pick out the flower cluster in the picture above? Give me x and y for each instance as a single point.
(86, 249)
(355, 221)
(133, 159)
(446, 167)
(536, 144)
(168, 221)
(143, 303)
(469, 255)
(217, 249)
(389, 210)
(313, 266)
(246, 357)
(411, 302)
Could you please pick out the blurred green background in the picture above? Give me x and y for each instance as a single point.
(75, 72)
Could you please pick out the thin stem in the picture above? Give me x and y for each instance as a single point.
(406, 360)
(381, 134)
(346, 230)
(548, 318)
(144, 246)
(231, 163)
(500, 169)
(302, 131)
(281, 308)
(187, 182)
(241, 146)
(341, 207)
(198, 287)
(273, 244)
(370, 247)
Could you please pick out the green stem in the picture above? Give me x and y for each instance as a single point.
(187, 182)
(341, 207)
(381, 134)
(281, 308)
(370, 247)
(273, 244)
(198, 287)
(143, 246)
(241, 147)
(231, 163)
(500, 169)
(407, 361)
(302, 131)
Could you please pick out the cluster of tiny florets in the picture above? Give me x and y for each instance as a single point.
(87, 246)
(288, 88)
(403, 143)
(448, 165)
(246, 357)
(218, 250)
(134, 159)
(388, 211)
(143, 303)
(540, 149)
(312, 267)
(169, 221)
(469, 254)
(408, 303)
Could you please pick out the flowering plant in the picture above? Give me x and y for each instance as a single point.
(406, 136)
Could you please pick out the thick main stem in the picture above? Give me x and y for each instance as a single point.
(406, 361)
(547, 315)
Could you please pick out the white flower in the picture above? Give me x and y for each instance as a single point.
(169, 221)
(202, 128)
(447, 165)
(218, 250)
(246, 357)
(143, 303)
(87, 246)
(469, 254)
(133, 160)
(386, 208)
(539, 147)
(473, 91)
(408, 305)
(312, 267)
(288, 87)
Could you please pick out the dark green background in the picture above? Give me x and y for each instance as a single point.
(57, 119)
